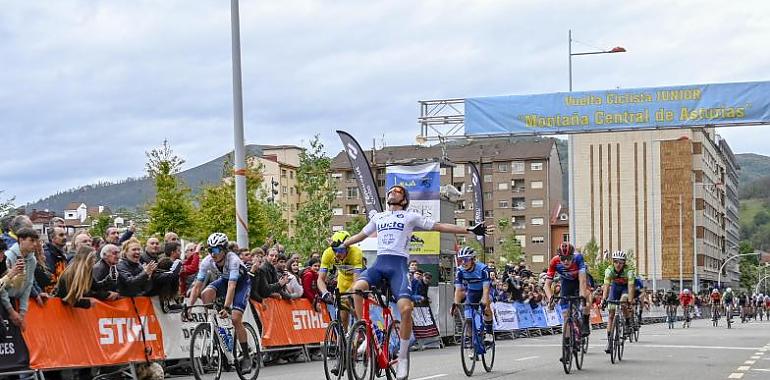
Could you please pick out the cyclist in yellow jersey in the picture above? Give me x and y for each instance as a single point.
(349, 262)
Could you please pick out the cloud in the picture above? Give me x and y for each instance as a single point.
(87, 87)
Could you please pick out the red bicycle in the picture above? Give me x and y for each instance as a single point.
(372, 348)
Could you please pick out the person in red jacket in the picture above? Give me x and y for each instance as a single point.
(192, 261)
(309, 278)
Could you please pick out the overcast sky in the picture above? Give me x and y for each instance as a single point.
(86, 87)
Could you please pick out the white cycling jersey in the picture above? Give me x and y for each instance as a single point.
(394, 230)
(230, 269)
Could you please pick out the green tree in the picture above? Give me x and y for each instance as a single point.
(595, 263)
(216, 211)
(172, 209)
(761, 217)
(510, 247)
(99, 228)
(6, 205)
(314, 183)
(356, 224)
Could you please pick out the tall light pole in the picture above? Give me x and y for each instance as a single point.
(241, 207)
(719, 278)
(571, 142)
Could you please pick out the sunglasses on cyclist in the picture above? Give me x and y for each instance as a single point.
(340, 249)
(396, 190)
(618, 261)
(216, 250)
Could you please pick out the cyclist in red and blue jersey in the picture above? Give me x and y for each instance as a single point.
(573, 273)
(472, 282)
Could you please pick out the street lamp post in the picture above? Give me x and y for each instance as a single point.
(719, 278)
(571, 143)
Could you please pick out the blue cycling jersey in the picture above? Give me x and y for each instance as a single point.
(638, 283)
(473, 280)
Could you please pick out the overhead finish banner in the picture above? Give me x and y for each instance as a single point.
(723, 104)
(423, 182)
(367, 187)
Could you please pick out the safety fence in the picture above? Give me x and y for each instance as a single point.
(135, 330)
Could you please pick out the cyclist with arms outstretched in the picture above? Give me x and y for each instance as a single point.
(574, 282)
(618, 286)
(394, 230)
(233, 284)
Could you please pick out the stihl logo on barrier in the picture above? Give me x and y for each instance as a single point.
(307, 319)
(124, 330)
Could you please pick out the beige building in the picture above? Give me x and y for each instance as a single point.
(279, 166)
(631, 186)
(522, 181)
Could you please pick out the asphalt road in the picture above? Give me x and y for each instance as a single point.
(701, 352)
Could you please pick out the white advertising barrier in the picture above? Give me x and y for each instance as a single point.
(553, 317)
(505, 316)
(177, 334)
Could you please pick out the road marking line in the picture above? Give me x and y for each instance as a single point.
(735, 376)
(432, 377)
(761, 369)
(744, 368)
(755, 357)
(656, 346)
(763, 349)
(749, 362)
(527, 358)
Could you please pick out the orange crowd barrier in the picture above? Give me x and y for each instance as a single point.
(60, 336)
(291, 322)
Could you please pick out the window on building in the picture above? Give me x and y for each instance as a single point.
(518, 203)
(537, 221)
(489, 214)
(350, 175)
(459, 186)
(283, 173)
(488, 195)
(337, 211)
(538, 258)
(486, 166)
(285, 189)
(291, 190)
(442, 171)
(488, 178)
(352, 192)
(565, 237)
(502, 167)
(337, 175)
(461, 204)
(537, 184)
(536, 166)
(537, 203)
(459, 171)
(502, 204)
(518, 186)
(502, 186)
(291, 207)
(339, 194)
(352, 209)
(538, 239)
(380, 183)
(522, 240)
(460, 222)
(291, 174)
(517, 167)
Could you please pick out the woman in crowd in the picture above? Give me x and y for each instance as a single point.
(74, 286)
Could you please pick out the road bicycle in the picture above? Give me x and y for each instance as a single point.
(636, 323)
(370, 349)
(617, 339)
(670, 315)
(573, 342)
(686, 314)
(729, 316)
(715, 315)
(473, 346)
(213, 347)
(334, 345)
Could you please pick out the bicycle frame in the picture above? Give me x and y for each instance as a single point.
(474, 309)
(212, 321)
(381, 348)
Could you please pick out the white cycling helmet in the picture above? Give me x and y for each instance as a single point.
(217, 239)
(466, 252)
(619, 255)
(715, 291)
(729, 290)
(686, 291)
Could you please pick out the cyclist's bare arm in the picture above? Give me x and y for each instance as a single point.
(230, 293)
(459, 295)
(357, 238)
(321, 283)
(195, 292)
(547, 289)
(583, 281)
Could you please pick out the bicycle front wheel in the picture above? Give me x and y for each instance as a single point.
(333, 351)
(205, 353)
(361, 355)
(620, 330)
(488, 359)
(577, 346)
(393, 337)
(566, 346)
(467, 348)
(254, 354)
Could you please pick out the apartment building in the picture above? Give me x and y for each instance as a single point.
(522, 180)
(279, 168)
(653, 192)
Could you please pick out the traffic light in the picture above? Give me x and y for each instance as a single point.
(273, 190)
